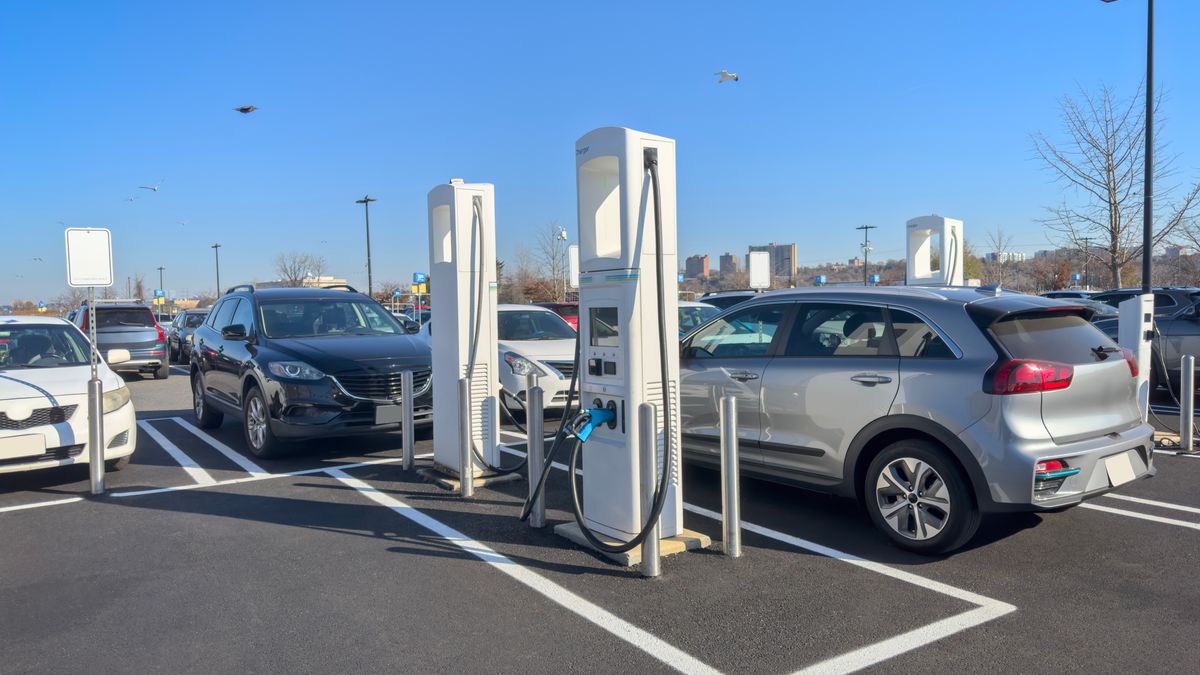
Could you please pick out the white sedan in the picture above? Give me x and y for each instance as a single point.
(535, 339)
(44, 373)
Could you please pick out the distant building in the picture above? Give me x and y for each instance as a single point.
(696, 267)
(1044, 253)
(309, 281)
(855, 262)
(783, 259)
(729, 263)
(1177, 251)
(1004, 257)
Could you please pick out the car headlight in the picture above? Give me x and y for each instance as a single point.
(520, 365)
(113, 400)
(294, 370)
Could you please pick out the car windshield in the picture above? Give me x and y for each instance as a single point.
(533, 325)
(41, 346)
(320, 317)
(194, 320)
(112, 317)
(691, 317)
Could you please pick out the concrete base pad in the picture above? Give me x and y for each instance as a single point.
(448, 479)
(685, 541)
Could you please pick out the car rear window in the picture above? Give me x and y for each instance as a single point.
(1064, 337)
(193, 320)
(108, 317)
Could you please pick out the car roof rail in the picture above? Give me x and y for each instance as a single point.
(240, 287)
(346, 287)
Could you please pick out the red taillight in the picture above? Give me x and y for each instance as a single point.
(161, 335)
(1049, 466)
(85, 320)
(1131, 359)
(1022, 376)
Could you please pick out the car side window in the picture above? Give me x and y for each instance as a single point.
(744, 334)
(839, 330)
(223, 313)
(244, 315)
(1163, 300)
(916, 339)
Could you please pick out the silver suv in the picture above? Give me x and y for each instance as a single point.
(930, 406)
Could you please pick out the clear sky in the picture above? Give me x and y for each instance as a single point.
(846, 113)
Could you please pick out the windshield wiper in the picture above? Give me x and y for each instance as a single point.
(1103, 352)
(130, 323)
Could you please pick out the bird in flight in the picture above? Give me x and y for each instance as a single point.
(183, 223)
(36, 259)
(131, 199)
(152, 188)
(725, 76)
(246, 109)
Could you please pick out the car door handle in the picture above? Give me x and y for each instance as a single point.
(871, 378)
(743, 376)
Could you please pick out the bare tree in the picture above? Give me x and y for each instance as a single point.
(1100, 159)
(139, 286)
(551, 250)
(996, 271)
(292, 268)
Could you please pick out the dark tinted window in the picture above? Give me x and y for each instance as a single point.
(244, 315)
(110, 317)
(839, 330)
(1113, 299)
(725, 301)
(1065, 338)
(193, 320)
(1164, 300)
(223, 313)
(743, 334)
(326, 316)
(915, 339)
(533, 325)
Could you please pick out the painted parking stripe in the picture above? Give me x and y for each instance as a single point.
(234, 456)
(1142, 516)
(38, 505)
(661, 650)
(1152, 502)
(189, 465)
(180, 370)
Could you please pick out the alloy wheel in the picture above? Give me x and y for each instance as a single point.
(256, 422)
(197, 397)
(913, 498)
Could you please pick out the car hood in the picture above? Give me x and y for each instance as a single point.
(345, 352)
(542, 350)
(48, 383)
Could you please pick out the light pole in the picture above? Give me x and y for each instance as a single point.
(866, 246)
(217, 257)
(366, 202)
(561, 235)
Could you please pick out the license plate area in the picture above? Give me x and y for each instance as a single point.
(1119, 468)
(388, 414)
(16, 447)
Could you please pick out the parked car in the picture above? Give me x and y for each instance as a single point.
(727, 299)
(129, 325)
(305, 362)
(1069, 294)
(1176, 334)
(535, 339)
(179, 345)
(693, 314)
(930, 406)
(44, 373)
(1167, 299)
(569, 311)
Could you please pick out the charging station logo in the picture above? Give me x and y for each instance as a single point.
(583, 150)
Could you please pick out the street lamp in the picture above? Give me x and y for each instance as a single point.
(217, 256)
(366, 202)
(866, 247)
(561, 235)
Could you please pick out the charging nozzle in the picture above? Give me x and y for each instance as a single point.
(592, 418)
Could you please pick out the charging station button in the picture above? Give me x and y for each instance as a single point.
(610, 367)
(595, 366)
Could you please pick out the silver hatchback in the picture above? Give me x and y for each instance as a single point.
(930, 406)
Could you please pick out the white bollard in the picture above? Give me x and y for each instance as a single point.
(731, 507)
(1187, 402)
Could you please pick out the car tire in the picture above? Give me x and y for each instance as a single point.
(919, 497)
(173, 355)
(163, 371)
(256, 427)
(206, 417)
(117, 464)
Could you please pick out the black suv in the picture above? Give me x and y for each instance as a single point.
(1168, 300)
(300, 363)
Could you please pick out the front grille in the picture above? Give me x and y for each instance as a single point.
(40, 417)
(567, 368)
(60, 453)
(382, 386)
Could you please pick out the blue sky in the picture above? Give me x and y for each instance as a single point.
(846, 113)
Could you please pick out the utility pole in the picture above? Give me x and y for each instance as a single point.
(1087, 257)
(1148, 170)
(217, 256)
(866, 247)
(366, 202)
(160, 280)
(128, 288)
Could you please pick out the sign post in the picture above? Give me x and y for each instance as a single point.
(89, 264)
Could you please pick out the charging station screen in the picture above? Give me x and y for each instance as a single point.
(603, 327)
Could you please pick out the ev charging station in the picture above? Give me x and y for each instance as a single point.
(930, 235)
(1135, 332)
(462, 268)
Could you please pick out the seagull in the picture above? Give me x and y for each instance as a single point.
(131, 199)
(246, 109)
(37, 259)
(183, 223)
(726, 76)
(152, 188)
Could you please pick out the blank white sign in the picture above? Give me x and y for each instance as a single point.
(89, 256)
(573, 265)
(760, 269)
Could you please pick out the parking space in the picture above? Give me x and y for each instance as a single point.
(202, 558)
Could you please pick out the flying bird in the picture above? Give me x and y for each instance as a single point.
(37, 259)
(183, 223)
(725, 76)
(131, 199)
(152, 188)
(246, 109)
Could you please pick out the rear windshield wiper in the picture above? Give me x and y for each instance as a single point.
(1103, 352)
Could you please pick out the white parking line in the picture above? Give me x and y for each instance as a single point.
(38, 505)
(1142, 516)
(1151, 502)
(193, 469)
(643, 640)
(181, 370)
(235, 456)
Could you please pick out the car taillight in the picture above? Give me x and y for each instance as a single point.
(85, 320)
(161, 335)
(1022, 376)
(1131, 360)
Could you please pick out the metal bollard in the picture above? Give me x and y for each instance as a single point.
(96, 433)
(466, 471)
(731, 507)
(406, 418)
(535, 458)
(648, 447)
(1187, 402)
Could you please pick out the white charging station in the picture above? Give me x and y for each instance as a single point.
(619, 323)
(462, 271)
(929, 236)
(1135, 332)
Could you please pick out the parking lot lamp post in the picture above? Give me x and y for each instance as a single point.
(366, 202)
(217, 256)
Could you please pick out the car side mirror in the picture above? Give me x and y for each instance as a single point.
(116, 356)
(412, 328)
(235, 332)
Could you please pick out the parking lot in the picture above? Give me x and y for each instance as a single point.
(201, 559)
